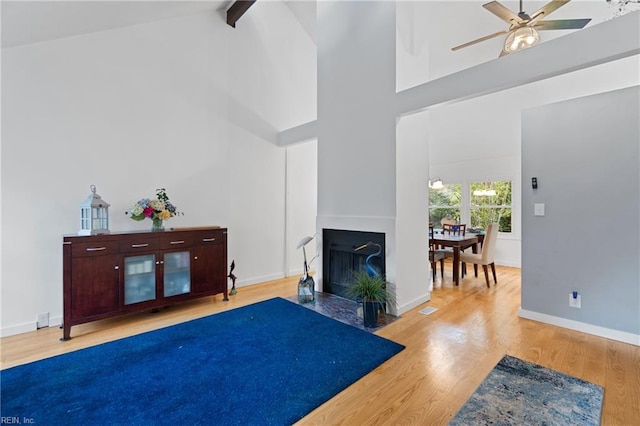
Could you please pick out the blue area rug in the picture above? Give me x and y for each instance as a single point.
(268, 363)
(517, 392)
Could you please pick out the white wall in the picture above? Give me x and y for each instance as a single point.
(356, 116)
(585, 153)
(302, 203)
(188, 104)
(412, 45)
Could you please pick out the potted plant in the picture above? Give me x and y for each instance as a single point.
(371, 290)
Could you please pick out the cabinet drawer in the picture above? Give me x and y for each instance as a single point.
(176, 242)
(210, 237)
(138, 244)
(97, 248)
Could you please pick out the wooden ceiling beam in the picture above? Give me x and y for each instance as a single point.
(238, 9)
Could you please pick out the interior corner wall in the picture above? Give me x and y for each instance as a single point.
(585, 154)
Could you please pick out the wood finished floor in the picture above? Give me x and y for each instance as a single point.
(447, 355)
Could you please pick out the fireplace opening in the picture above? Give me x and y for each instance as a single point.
(340, 259)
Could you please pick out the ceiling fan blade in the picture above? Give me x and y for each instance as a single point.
(502, 12)
(487, 37)
(562, 24)
(547, 9)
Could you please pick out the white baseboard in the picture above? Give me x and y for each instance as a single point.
(55, 321)
(18, 329)
(509, 264)
(608, 333)
(258, 280)
(28, 327)
(413, 303)
(296, 271)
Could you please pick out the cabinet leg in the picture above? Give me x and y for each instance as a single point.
(226, 295)
(66, 333)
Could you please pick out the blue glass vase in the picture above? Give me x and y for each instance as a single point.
(306, 289)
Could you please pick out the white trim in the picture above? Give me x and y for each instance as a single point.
(509, 264)
(259, 280)
(55, 321)
(19, 329)
(608, 333)
(412, 304)
(27, 327)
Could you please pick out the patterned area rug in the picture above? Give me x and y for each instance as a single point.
(517, 392)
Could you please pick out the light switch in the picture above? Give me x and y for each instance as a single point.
(538, 209)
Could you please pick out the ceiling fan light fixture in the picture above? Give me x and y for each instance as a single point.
(521, 38)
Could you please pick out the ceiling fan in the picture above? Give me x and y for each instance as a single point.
(523, 28)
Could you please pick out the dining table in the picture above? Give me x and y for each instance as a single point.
(458, 243)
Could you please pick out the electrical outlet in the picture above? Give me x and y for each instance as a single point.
(43, 320)
(575, 302)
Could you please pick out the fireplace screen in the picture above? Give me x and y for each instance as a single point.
(341, 260)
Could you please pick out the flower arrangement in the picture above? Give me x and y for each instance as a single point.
(157, 210)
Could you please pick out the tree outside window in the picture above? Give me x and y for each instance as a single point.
(445, 202)
(491, 203)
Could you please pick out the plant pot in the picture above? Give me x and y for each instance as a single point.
(370, 313)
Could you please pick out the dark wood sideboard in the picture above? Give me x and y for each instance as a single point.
(115, 274)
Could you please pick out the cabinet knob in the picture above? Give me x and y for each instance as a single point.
(116, 267)
(195, 257)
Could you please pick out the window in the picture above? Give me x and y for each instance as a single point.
(445, 202)
(491, 202)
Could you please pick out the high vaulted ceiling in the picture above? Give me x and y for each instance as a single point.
(431, 24)
(26, 22)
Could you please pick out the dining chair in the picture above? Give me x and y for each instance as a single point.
(486, 255)
(447, 221)
(454, 229)
(435, 256)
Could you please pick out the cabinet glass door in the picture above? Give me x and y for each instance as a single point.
(177, 273)
(139, 278)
